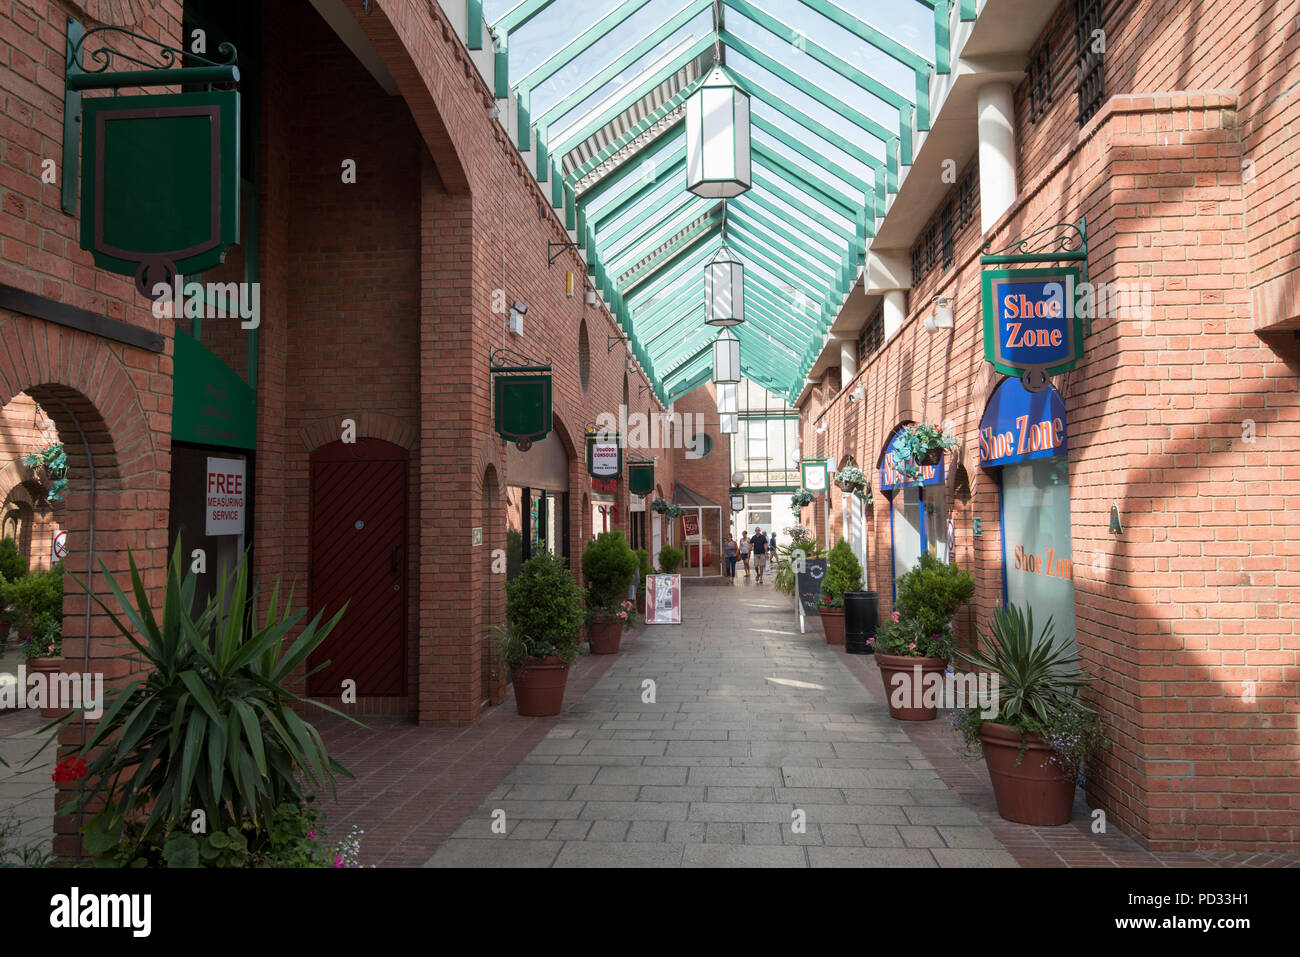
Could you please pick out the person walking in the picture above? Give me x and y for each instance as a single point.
(729, 549)
(759, 546)
(744, 551)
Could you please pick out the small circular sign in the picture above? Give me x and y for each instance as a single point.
(359, 525)
(60, 546)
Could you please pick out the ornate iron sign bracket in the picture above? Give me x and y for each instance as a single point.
(162, 70)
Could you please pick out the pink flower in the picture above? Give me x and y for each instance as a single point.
(871, 639)
(622, 616)
(912, 647)
(312, 834)
(338, 862)
(893, 616)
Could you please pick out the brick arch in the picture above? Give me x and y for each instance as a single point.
(394, 38)
(490, 456)
(370, 425)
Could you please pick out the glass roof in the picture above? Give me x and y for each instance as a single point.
(835, 96)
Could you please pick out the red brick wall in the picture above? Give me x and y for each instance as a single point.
(110, 403)
(1194, 599)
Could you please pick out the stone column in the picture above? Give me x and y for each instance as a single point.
(997, 142)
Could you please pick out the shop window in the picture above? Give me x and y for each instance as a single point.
(947, 229)
(872, 337)
(1023, 436)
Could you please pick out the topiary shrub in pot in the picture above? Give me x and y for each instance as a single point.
(1037, 735)
(670, 559)
(914, 647)
(843, 573)
(36, 603)
(540, 638)
(608, 568)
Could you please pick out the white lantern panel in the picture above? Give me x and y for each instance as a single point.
(724, 293)
(727, 399)
(726, 359)
(717, 140)
(729, 424)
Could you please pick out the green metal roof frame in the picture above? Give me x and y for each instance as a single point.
(800, 227)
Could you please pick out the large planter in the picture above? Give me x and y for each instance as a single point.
(48, 667)
(539, 688)
(832, 624)
(604, 633)
(1029, 790)
(905, 696)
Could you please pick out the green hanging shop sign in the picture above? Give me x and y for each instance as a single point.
(160, 183)
(641, 478)
(211, 403)
(521, 398)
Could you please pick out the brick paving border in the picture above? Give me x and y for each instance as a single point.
(1071, 845)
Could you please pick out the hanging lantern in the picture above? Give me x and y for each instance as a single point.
(724, 291)
(727, 399)
(726, 360)
(717, 139)
(729, 424)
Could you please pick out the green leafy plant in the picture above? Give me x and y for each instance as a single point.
(13, 565)
(843, 573)
(36, 602)
(47, 644)
(1039, 681)
(608, 568)
(786, 579)
(670, 559)
(799, 499)
(909, 638)
(211, 724)
(20, 855)
(54, 460)
(543, 613)
(931, 592)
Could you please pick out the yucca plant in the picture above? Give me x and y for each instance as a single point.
(1038, 677)
(210, 726)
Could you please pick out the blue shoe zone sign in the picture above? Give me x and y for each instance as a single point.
(1033, 326)
(1020, 426)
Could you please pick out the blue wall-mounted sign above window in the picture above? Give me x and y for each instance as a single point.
(1019, 426)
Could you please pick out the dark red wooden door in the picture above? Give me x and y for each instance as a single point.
(358, 556)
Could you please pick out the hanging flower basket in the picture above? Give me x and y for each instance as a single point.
(851, 479)
(865, 495)
(800, 499)
(917, 447)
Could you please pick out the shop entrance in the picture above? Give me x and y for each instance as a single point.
(358, 556)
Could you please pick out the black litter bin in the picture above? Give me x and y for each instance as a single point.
(861, 618)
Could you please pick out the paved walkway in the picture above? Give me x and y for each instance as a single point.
(26, 789)
(759, 749)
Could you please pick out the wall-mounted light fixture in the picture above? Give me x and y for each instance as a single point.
(857, 394)
(591, 297)
(517, 312)
(942, 317)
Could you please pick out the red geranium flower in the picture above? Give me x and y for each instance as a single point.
(69, 769)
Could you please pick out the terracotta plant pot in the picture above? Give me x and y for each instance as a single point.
(539, 688)
(1034, 792)
(605, 632)
(48, 667)
(832, 624)
(905, 695)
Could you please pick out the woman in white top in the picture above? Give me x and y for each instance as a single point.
(744, 550)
